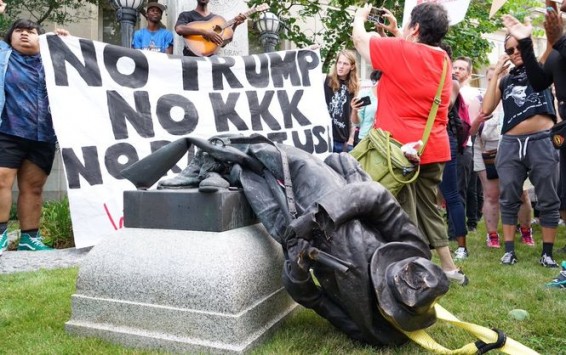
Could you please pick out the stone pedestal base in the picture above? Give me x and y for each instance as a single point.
(187, 210)
(182, 291)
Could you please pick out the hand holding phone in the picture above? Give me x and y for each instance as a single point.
(363, 101)
(376, 15)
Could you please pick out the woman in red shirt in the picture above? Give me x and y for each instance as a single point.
(412, 64)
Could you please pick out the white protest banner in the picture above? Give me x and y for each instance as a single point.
(457, 9)
(112, 106)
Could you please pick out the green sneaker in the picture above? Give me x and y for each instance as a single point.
(33, 244)
(4, 241)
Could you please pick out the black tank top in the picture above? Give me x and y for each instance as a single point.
(521, 101)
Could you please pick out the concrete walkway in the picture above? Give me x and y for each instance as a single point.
(22, 261)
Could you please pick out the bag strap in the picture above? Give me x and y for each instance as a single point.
(287, 182)
(434, 108)
(490, 339)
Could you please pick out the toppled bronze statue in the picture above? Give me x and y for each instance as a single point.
(372, 264)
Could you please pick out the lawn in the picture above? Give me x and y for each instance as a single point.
(36, 305)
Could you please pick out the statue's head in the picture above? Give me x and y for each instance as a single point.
(407, 285)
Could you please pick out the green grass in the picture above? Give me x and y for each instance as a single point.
(56, 225)
(35, 307)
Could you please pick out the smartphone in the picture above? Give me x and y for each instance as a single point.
(364, 101)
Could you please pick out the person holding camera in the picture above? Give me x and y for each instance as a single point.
(405, 103)
(525, 150)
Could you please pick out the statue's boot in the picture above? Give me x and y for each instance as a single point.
(189, 177)
(213, 183)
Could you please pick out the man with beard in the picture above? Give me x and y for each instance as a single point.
(154, 37)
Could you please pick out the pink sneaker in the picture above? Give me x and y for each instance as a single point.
(527, 236)
(492, 240)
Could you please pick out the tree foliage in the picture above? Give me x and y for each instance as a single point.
(334, 21)
(41, 11)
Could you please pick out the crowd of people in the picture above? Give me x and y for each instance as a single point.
(509, 150)
(485, 176)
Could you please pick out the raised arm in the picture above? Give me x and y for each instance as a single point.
(493, 94)
(360, 36)
(522, 32)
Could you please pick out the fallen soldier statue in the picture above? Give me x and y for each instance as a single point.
(376, 281)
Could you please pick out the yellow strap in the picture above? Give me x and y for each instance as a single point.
(486, 335)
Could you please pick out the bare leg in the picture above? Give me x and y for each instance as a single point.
(446, 262)
(526, 210)
(509, 232)
(30, 182)
(490, 201)
(548, 234)
(7, 177)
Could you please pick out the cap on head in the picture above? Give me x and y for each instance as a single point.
(156, 4)
(407, 285)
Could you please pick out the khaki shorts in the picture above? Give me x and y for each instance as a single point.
(478, 160)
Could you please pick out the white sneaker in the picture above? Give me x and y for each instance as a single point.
(461, 254)
(457, 276)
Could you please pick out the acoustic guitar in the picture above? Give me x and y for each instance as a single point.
(203, 47)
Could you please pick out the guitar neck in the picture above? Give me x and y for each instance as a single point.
(247, 14)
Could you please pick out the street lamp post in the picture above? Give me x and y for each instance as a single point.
(268, 26)
(127, 14)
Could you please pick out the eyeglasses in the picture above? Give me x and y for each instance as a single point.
(511, 50)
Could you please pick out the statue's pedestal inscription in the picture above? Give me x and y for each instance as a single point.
(187, 210)
(181, 290)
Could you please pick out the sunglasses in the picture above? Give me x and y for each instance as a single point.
(511, 50)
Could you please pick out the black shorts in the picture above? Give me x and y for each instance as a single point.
(14, 150)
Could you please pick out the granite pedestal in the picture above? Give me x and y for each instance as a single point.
(182, 290)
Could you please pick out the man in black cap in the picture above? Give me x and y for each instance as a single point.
(154, 37)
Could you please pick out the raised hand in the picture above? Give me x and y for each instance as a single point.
(516, 28)
(2, 7)
(391, 25)
(363, 12)
(502, 65)
(552, 25)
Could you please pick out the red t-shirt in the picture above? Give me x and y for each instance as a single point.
(411, 75)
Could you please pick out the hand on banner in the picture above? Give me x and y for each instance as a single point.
(516, 28)
(552, 24)
(61, 32)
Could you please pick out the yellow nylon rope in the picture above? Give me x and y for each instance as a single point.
(486, 335)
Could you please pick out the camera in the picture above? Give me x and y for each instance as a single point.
(376, 15)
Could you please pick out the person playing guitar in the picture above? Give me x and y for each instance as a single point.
(211, 39)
